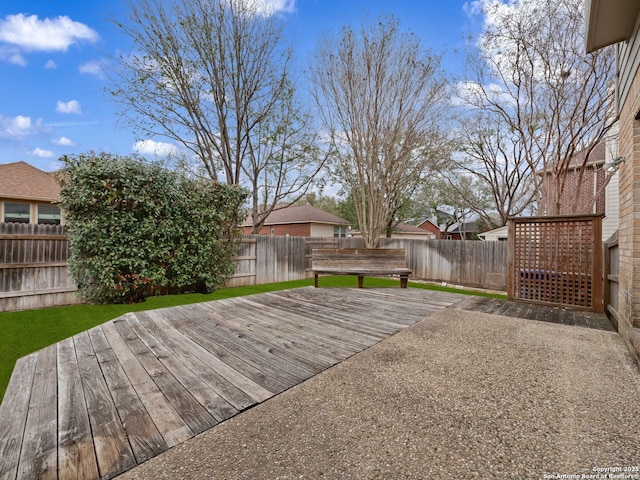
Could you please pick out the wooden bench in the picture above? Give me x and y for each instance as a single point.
(360, 262)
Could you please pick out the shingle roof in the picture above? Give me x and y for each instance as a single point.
(406, 228)
(21, 181)
(597, 156)
(300, 214)
(468, 227)
(428, 220)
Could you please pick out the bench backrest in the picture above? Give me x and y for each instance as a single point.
(370, 258)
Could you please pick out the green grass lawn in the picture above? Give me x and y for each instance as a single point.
(28, 331)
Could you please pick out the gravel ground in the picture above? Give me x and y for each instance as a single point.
(459, 395)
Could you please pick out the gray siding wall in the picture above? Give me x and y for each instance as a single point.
(628, 61)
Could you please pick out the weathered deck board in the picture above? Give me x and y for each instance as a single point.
(269, 364)
(146, 441)
(329, 334)
(105, 400)
(39, 458)
(291, 323)
(168, 421)
(193, 413)
(266, 328)
(113, 450)
(542, 313)
(254, 347)
(266, 339)
(13, 415)
(76, 453)
(217, 406)
(235, 388)
(369, 330)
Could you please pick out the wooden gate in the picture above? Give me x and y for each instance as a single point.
(611, 278)
(556, 261)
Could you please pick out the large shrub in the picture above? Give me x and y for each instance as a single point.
(134, 225)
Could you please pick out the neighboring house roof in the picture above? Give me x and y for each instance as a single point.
(21, 181)
(426, 220)
(469, 227)
(406, 228)
(596, 157)
(300, 214)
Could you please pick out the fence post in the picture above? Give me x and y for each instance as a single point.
(511, 238)
(597, 297)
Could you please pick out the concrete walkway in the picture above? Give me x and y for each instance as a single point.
(461, 394)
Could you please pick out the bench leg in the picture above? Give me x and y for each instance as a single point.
(360, 281)
(315, 280)
(403, 281)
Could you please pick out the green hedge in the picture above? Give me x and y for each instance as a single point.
(134, 225)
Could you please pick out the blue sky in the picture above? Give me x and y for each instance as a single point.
(52, 52)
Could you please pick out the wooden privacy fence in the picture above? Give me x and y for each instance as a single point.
(33, 267)
(34, 272)
(266, 259)
(471, 263)
(556, 260)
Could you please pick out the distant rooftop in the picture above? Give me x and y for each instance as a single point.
(406, 228)
(21, 181)
(300, 214)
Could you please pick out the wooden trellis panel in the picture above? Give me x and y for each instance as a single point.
(556, 261)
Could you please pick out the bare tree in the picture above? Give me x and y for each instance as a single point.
(214, 76)
(380, 96)
(447, 197)
(503, 182)
(530, 70)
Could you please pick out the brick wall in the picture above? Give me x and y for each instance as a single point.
(629, 230)
(430, 227)
(585, 188)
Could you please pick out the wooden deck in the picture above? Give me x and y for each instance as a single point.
(106, 400)
(541, 313)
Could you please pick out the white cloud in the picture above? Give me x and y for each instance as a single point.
(12, 55)
(18, 127)
(271, 7)
(39, 152)
(472, 8)
(93, 67)
(64, 142)
(469, 93)
(49, 34)
(286, 6)
(72, 106)
(158, 149)
(50, 65)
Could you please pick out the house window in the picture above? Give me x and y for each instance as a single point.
(17, 212)
(49, 214)
(339, 231)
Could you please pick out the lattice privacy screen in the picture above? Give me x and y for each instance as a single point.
(557, 260)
